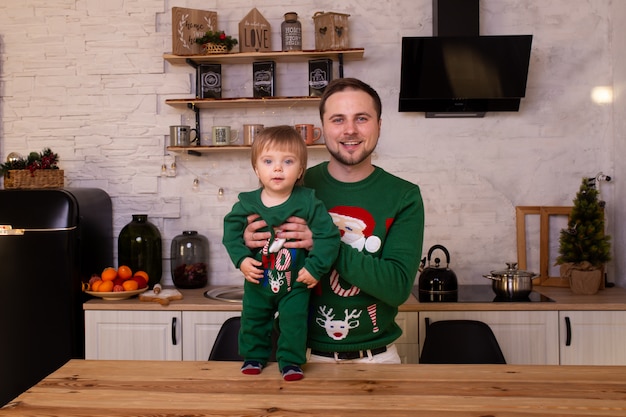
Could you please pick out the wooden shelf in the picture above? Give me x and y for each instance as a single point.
(213, 149)
(223, 103)
(279, 56)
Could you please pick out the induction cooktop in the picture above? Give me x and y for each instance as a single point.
(477, 294)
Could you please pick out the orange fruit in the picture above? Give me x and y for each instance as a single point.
(109, 274)
(106, 286)
(130, 285)
(142, 274)
(94, 285)
(124, 272)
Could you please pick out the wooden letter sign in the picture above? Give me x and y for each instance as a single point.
(255, 33)
(187, 25)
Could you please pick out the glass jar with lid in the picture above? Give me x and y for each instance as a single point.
(189, 255)
(291, 32)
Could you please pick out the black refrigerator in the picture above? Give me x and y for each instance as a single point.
(51, 240)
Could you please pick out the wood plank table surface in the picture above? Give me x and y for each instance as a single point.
(172, 388)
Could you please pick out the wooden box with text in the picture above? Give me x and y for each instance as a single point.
(187, 25)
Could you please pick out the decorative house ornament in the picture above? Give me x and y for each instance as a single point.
(255, 33)
(187, 26)
(331, 31)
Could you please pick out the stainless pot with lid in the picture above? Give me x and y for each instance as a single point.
(511, 283)
(437, 283)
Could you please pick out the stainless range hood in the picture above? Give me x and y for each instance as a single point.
(458, 73)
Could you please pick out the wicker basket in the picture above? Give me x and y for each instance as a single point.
(213, 48)
(41, 178)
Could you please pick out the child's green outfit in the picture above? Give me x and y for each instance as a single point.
(278, 290)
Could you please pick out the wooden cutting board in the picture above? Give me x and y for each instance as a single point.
(163, 297)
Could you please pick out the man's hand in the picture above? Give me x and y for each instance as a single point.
(297, 233)
(251, 237)
(295, 230)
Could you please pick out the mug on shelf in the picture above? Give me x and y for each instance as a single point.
(310, 134)
(249, 133)
(180, 135)
(224, 136)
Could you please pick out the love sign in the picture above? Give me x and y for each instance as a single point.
(255, 33)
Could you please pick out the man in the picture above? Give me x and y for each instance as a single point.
(381, 220)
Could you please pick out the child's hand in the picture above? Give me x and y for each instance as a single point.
(306, 278)
(251, 270)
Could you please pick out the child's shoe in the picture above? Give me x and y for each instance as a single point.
(251, 368)
(292, 373)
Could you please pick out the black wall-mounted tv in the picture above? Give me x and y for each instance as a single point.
(464, 74)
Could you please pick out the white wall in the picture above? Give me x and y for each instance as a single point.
(618, 148)
(87, 78)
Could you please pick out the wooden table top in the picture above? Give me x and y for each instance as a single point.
(172, 388)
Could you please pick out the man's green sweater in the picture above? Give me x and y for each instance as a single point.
(381, 220)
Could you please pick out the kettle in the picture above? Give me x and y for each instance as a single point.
(437, 283)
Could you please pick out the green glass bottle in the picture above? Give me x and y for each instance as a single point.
(139, 247)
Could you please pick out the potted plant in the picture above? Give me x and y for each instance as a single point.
(216, 42)
(583, 246)
(37, 170)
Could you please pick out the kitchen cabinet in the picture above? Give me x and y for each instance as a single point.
(183, 335)
(129, 329)
(592, 337)
(525, 337)
(151, 335)
(137, 335)
(197, 104)
(407, 344)
(200, 330)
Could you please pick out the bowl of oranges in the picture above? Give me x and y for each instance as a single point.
(116, 284)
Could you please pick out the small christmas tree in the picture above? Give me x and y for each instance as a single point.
(584, 239)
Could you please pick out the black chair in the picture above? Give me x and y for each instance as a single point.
(461, 342)
(226, 346)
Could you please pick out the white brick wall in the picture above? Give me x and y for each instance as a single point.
(87, 79)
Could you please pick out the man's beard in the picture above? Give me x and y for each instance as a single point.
(351, 159)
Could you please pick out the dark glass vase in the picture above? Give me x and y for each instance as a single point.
(139, 246)
(189, 256)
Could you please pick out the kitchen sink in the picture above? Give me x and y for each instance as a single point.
(228, 294)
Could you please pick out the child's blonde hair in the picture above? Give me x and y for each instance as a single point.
(284, 138)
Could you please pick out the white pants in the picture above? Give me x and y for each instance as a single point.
(389, 356)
